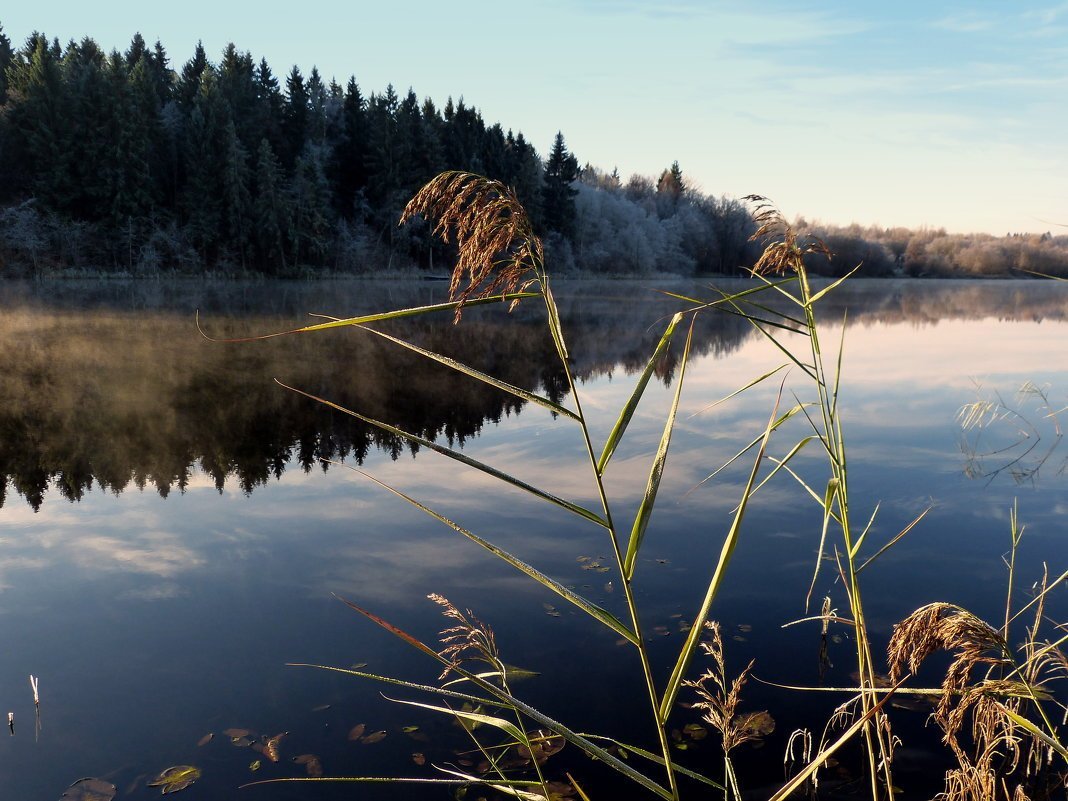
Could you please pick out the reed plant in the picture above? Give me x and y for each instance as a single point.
(500, 259)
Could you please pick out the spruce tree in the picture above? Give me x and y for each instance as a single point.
(294, 118)
(558, 194)
(270, 210)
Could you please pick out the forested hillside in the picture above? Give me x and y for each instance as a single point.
(127, 162)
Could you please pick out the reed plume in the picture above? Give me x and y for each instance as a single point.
(785, 252)
(498, 249)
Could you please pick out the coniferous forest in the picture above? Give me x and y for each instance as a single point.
(136, 163)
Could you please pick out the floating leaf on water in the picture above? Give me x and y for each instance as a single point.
(254, 765)
(758, 724)
(881, 680)
(320, 708)
(236, 732)
(663, 562)
(268, 746)
(467, 763)
(312, 766)
(419, 758)
(836, 638)
(551, 610)
(241, 742)
(409, 729)
(359, 666)
(583, 559)
(175, 778)
(594, 565)
(543, 744)
(663, 631)
(745, 628)
(205, 739)
(357, 731)
(695, 731)
(681, 746)
(607, 588)
(685, 625)
(89, 789)
(373, 737)
(676, 735)
(738, 638)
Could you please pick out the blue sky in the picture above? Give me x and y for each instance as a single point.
(936, 113)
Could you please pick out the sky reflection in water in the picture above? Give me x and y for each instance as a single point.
(152, 620)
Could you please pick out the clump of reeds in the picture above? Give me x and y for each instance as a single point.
(498, 250)
(1005, 752)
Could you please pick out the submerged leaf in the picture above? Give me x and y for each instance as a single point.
(205, 739)
(419, 758)
(175, 778)
(357, 731)
(756, 724)
(241, 742)
(312, 766)
(232, 733)
(89, 789)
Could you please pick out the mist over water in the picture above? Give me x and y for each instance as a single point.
(170, 536)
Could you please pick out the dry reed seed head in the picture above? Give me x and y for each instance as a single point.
(497, 247)
(943, 626)
(469, 640)
(784, 253)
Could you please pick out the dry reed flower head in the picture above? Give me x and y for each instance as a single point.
(496, 243)
(786, 251)
(469, 640)
(719, 698)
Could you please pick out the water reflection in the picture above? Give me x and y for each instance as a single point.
(109, 384)
(153, 622)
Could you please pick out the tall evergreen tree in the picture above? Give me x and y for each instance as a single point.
(6, 56)
(294, 118)
(270, 210)
(350, 151)
(558, 192)
(188, 86)
(310, 208)
(236, 199)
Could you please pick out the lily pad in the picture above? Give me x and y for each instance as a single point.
(175, 778)
(89, 789)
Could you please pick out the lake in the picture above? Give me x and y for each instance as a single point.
(171, 536)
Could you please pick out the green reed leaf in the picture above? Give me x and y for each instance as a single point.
(374, 318)
(678, 673)
(477, 374)
(587, 606)
(460, 457)
(627, 411)
(656, 474)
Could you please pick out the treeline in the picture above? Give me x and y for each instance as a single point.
(118, 162)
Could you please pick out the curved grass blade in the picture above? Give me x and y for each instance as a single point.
(659, 760)
(460, 457)
(1024, 723)
(678, 673)
(828, 513)
(506, 786)
(736, 392)
(390, 780)
(373, 318)
(656, 474)
(893, 542)
(590, 608)
(475, 700)
(627, 412)
(506, 726)
(752, 444)
(477, 374)
(579, 741)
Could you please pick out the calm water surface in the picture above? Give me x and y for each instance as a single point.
(170, 536)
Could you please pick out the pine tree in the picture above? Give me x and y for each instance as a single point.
(270, 210)
(350, 150)
(558, 194)
(236, 199)
(188, 86)
(669, 191)
(310, 208)
(35, 146)
(294, 118)
(6, 56)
